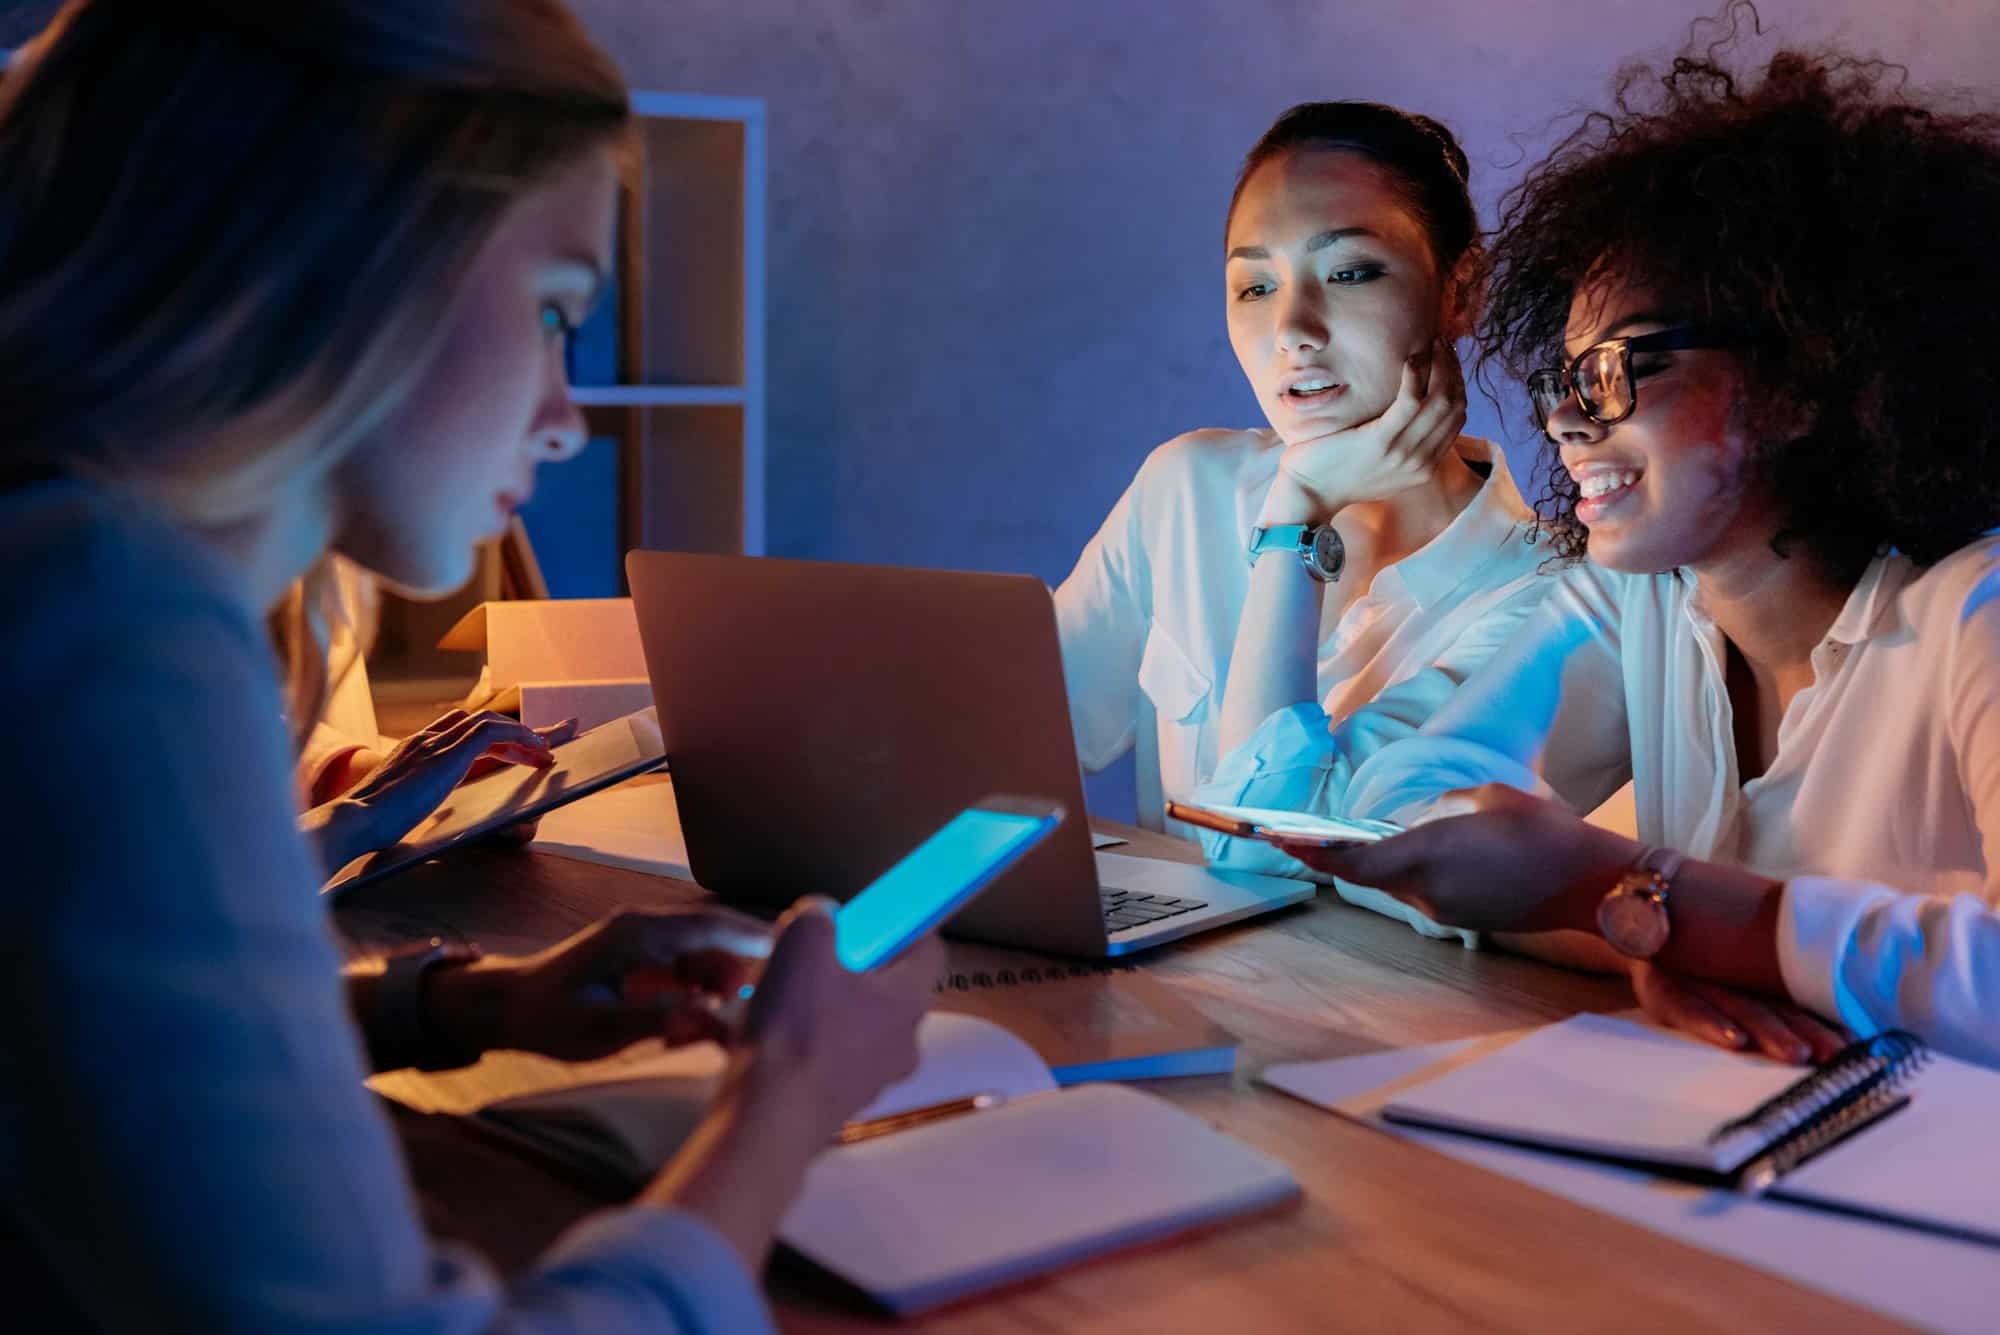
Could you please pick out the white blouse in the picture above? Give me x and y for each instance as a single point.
(1882, 806)
(1148, 618)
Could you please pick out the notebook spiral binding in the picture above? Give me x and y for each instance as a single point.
(1861, 1082)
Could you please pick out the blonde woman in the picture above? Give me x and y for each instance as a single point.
(275, 282)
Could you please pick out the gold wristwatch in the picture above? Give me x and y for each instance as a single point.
(1634, 915)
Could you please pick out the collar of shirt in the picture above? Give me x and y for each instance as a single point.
(1481, 530)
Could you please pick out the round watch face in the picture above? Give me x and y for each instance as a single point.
(1329, 554)
(1634, 920)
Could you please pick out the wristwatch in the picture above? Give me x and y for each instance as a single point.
(1319, 547)
(402, 1035)
(1634, 915)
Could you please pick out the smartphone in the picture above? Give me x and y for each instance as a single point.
(1294, 826)
(939, 876)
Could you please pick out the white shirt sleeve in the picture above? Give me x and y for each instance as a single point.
(1546, 714)
(1102, 615)
(1880, 957)
(1299, 759)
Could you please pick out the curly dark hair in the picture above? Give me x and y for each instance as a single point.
(1820, 202)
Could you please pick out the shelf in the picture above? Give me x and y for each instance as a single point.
(657, 396)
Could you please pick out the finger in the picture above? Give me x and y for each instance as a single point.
(465, 726)
(1768, 1034)
(1674, 1003)
(515, 753)
(520, 832)
(500, 737)
(664, 937)
(444, 722)
(1364, 864)
(720, 973)
(1396, 418)
(555, 734)
(1824, 1039)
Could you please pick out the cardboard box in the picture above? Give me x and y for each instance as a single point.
(567, 656)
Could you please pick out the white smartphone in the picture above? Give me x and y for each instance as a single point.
(1295, 826)
(938, 877)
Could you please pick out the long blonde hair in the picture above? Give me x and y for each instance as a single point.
(228, 227)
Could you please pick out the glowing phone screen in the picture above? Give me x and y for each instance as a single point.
(938, 876)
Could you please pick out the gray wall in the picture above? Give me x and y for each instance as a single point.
(995, 228)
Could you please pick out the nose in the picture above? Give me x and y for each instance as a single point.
(559, 432)
(1302, 322)
(1567, 425)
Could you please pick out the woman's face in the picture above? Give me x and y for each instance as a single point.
(1667, 487)
(445, 471)
(1331, 287)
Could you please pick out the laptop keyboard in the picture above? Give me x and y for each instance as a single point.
(1124, 908)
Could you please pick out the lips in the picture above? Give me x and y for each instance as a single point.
(1603, 491)
(1307, 385)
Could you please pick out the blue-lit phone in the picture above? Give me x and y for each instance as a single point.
(939, 876)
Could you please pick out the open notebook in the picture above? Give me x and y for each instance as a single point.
(946, 1209)
(1866, 1134)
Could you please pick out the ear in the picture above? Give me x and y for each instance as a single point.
(1464, 295)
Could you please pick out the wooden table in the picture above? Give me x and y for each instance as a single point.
(1390, 1236)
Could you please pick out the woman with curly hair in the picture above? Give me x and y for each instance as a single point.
(1760, 325)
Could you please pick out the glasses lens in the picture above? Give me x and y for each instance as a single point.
(1603, 386)
(1545, 392)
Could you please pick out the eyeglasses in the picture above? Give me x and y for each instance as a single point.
(1601, 375)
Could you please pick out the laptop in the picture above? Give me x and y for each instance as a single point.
(820, 720)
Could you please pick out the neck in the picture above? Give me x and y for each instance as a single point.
(1774, 610)
(1410, 519)
(272, 548)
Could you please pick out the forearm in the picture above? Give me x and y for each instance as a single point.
(742, 1167)
(1274, 662)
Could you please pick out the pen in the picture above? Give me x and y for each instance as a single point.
(854, 1132)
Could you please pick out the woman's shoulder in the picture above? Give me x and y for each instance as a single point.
(1212, 458)
(1956, 592)
(89, 566)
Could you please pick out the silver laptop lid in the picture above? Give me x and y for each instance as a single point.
(821, 719)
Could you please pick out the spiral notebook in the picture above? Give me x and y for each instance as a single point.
(1836, 1137)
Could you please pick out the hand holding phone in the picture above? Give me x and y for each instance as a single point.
(1272, 826)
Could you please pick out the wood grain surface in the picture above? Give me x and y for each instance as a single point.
(1391, 1236)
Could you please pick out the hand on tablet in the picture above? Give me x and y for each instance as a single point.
(395, 796)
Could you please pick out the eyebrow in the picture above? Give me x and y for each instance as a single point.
(1642, 317)
(1319, 242)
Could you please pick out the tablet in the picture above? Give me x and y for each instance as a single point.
(607, 754)
(1272, 826)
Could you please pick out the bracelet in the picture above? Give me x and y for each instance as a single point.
(402, 1035)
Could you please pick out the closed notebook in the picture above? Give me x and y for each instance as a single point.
(1867, 1134)
(960, 1206)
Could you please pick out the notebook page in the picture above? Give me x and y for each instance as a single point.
(962, 1056)
(1599, 1085)
(1934, 1163)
